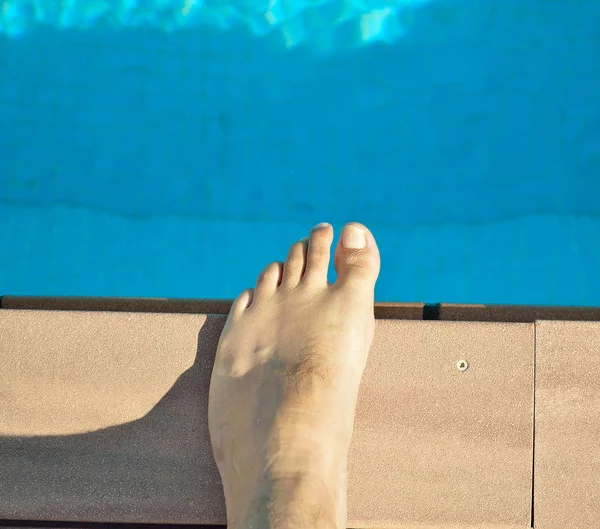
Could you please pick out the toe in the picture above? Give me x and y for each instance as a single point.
(318, 254)
(357, 256)
(295, 264)
(240, 304)
(267, 282)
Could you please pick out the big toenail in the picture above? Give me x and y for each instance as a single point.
(353, 237)
(321, 225)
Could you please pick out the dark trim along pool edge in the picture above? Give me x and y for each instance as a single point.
(402, 311)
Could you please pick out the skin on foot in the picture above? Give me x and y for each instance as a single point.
(285, 383)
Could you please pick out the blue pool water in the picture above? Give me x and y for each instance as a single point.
(148, 153)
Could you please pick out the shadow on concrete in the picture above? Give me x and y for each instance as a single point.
(158, 469)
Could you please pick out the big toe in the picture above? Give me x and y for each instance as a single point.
(357, 256)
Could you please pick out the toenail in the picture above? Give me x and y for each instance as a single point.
(321, 225)
(353, 237)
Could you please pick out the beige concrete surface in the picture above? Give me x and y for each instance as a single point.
(567, 425)
(83, 525)
(103, 418)
(437, 446)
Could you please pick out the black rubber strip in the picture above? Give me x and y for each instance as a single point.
(431, 311)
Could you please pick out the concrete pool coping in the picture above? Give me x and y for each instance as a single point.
(104, 402)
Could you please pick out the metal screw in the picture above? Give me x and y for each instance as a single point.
(462, 365)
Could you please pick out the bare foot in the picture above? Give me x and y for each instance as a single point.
(285, 383)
